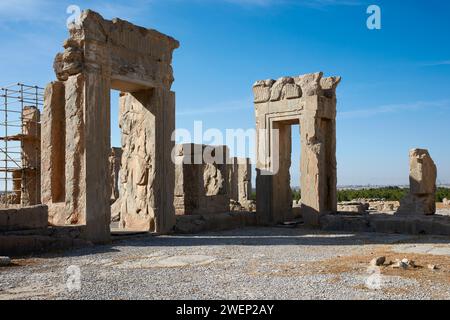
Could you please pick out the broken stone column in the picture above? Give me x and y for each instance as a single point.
(422, 179)
(201, 177)
(31, 157)
(240, 185)
(308, 100)
(114, 166)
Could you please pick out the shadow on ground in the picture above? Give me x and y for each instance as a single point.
(254, 236)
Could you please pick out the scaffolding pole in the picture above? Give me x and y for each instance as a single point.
(16, 166)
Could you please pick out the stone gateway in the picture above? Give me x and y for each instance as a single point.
(310, 101)
(101, 55)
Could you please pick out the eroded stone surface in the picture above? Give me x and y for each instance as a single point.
(201, 176)
(101, 55)
(422, 196)
(308, 100)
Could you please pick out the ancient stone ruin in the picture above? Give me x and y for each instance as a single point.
(310, 101)
(148, 184)
(26, 162)
(240, 181)
(115, 159)
(101, 55)
(208, 181)
(422, 179)
(201, 182)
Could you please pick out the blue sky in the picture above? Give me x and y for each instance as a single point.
(395, 93)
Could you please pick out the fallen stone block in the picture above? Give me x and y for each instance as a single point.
(5, 261)
(26, 218)
(377, 262)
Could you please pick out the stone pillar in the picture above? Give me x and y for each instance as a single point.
(147, 173)
(31, 157)
(310, 101)
(422, 179)
(318, 159)
(240, 176)
(115, 160)
(53, 146)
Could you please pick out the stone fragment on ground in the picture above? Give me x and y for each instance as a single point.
(376, 262)
(5, 261)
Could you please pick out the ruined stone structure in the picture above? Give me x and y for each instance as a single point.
(422, 179)
(207, 181)
(115, 160)
(310, 101)
(26, 180)
(240, 181)
(201, 179)
(31, 157)
(101, 55)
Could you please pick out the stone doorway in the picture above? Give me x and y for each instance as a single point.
(310, 101)
(101, 55)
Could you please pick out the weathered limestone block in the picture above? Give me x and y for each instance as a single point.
(240, 185)
(75, 168)
(308, 100)
(384, 206)
(423, 172)
(201, 175)
(422, 178)
(31, 157)
(310, 84)
(262, 90)
(115, 160)
(147, 174)
(353, 207)
(24, 218)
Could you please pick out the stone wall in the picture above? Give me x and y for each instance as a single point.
(201, 179)
(207, 185)
(24, 218)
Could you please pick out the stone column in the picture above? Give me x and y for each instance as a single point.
(422, 178)
(53, 152)
(31, 157)
(115, 160)
(147, 173)
(240, 176)
(318, 159)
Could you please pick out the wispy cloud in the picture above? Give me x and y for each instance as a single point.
(393, 108)
(437, 63)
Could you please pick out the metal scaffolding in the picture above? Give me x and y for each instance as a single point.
(16, 99)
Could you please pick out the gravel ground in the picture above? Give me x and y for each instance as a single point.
(251, 263)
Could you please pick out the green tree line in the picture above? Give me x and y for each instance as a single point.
(386, 193)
